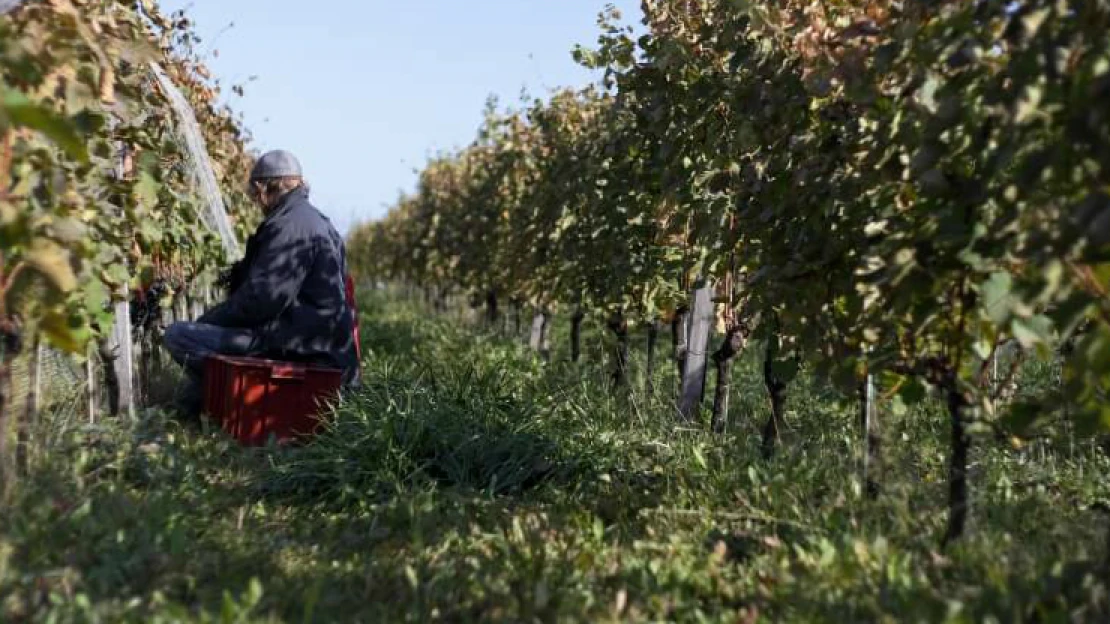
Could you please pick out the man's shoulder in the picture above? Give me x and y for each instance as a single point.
(304, 217)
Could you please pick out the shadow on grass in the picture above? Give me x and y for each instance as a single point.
(130, 518)
(157, 519)
(409, 429)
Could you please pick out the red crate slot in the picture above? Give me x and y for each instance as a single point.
(255, 399)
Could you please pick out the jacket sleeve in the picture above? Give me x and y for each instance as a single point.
(271, 282)
(235, 276)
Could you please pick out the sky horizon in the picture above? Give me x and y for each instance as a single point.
(364, 92)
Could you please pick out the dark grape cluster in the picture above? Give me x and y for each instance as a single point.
(11, 337)
(146, 306)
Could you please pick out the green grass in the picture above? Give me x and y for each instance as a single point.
(466, 481)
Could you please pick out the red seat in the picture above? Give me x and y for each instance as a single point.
(254, 399)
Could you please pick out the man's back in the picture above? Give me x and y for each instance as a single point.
(292, 288)
(288, 295)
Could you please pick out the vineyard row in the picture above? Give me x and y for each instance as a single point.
(869, 188)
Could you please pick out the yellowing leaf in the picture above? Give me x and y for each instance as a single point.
(69, 230)
(62, 334)
(52, 262)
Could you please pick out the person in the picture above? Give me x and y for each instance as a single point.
(287, 297)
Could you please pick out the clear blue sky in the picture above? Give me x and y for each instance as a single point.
(364, 91)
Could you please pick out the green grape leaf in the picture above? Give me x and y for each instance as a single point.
(996, 295)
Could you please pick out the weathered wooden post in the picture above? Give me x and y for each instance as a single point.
(91, 385)
(693, 380)
(871, 437)
(536, 337)
(123, 359)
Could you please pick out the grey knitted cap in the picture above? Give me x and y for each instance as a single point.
(276, 164)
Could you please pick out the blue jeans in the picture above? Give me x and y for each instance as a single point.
(191, 343)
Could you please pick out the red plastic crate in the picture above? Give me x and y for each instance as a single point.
(255, 399)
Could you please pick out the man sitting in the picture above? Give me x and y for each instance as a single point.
(287, 298)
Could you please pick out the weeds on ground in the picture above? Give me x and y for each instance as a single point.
(468, 481)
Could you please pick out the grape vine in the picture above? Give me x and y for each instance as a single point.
(876, 188)
(95, 199)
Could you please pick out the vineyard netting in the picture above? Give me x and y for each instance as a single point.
(213, 214)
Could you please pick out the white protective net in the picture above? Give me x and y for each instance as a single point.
(214, 214)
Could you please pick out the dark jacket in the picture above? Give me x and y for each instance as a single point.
(290, 288)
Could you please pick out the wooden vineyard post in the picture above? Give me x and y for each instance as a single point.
(165, 312)
(119, 349)
(619, 326)
(994, 372)
(576, 334)
(540, 338)
(198, 302)
(180, 307)
(680, 330)
(90, 385)
(545, 337)
(693, 380)
(652, 341)
(536, 337)
(871, 437)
